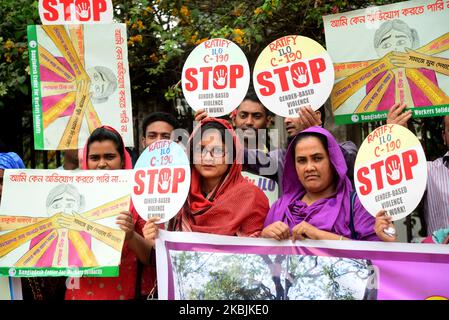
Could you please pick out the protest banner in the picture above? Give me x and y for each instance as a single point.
(75, 11)
(389, 54)
(390, 171)
(79, 80)
(200, 266)
(161, 180)
(291, 72)
(267, 185)
(215, 77)
(62, 223)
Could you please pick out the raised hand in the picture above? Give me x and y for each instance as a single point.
(309, 118)
(396, 115)
(164, 182)
(200, 114)
(83, 10)
(300, 76)
(394, 170)
(220, 78)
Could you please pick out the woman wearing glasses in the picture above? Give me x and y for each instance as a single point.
(220, 200)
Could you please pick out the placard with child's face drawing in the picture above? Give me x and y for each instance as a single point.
(215, 77)
(79, 81)
(389, 54)
(390, 171)
(62, 223)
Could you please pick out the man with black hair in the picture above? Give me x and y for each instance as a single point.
(157, 126)
(250, 116)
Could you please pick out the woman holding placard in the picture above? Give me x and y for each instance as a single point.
(318, 201)
(105, 150)
(220, 200)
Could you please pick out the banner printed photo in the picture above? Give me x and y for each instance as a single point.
(200, 266)
(62, 223)
(79, 80)
(401, 55)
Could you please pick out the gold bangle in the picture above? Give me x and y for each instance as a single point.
(341, 238)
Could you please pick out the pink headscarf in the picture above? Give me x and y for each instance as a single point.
(128, 163)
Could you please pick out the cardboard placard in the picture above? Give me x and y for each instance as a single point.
(62, 222)
(79, 81)
(161, 180)
(291, 72)
(390, 171)
(389, 54)
(215, 77)
(75, 11)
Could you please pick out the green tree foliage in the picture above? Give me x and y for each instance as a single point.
(15, 15)
(163, 32)
(222, 276)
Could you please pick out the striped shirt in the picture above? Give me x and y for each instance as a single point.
(436, 202)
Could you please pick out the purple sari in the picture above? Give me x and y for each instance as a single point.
(330, 214)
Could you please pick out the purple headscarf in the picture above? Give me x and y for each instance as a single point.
(328, 214)
(10, 160)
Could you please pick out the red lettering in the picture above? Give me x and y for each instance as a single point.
(99, 6)
(376, 149)
(81, 4)
(179, 175)
(163, 174)
(206, 71)
(220, 78)
(236, 72)
(410, 159)
(378, 172)
(395, 170)
(151, 174)
(192, 85)
(268, 87)
(299, 71)
(138, 190)
(282, 77)
(391, 163)
(52, 13)
(361, 176)
(317, 66)
(66, 5)
(220, 70)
